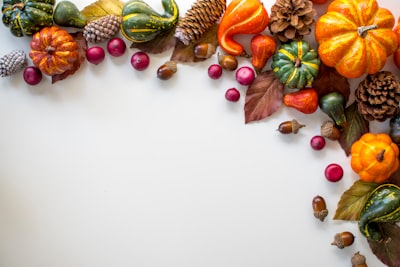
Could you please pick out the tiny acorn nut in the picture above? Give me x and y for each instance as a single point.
(343, 239)
(358, 260)
(319, 208)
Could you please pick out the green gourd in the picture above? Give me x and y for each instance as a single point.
(26, 17)
(382, 206)
(141, 23)
(67, 14)
(333, 104)
(296, 64)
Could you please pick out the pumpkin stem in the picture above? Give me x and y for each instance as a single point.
(379, 156)
(49, 49)
(362, 30)
(297, 62)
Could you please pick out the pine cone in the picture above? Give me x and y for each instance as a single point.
(12, 62)
(291, 19)
(198, 19)
(102, 29)
(378, 96)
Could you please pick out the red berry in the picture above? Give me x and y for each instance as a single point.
(215, 71)
(232, 94)
(333, 172)
(245, 75)
(116, 47)
(32, 75)
(140, 60)
(317, 142)
(95, 54)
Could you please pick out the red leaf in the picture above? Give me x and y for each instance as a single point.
(82, 46)
(263, 97)
(388, 251)
(159, 44)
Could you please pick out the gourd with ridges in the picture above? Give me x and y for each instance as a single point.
(382, 206)
(27, 17)
(141, 23)
(296, 64)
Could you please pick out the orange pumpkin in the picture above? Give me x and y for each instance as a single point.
(374, 157)
(53, 50)
(396, 55)
(355, 37)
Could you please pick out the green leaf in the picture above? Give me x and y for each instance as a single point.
(388, 251)
(353, 200)
(355, 127)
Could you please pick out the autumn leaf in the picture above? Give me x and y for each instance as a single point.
(263, 97)
(329, 80)
(184, 53)
(102, 8)
(355, 127)
(394, 178)
(388, 251)
(82, 46)
(159, 44)
(353, 200)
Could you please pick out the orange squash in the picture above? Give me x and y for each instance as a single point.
(53, 50)
(396, 55)
(374, 157)
(241, 17)
(355, 37)
(262, 48)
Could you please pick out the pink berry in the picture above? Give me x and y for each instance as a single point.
(215, 71)
(245, 75)
(95, 54)
(232, 94)
(333, 172)
(32, 75)
(140, 60)
(116, 47)
(317, 142)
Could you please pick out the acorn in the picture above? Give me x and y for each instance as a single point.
(358, 260)
(319, 208)
(288, 127)
(204, 50)
(228, 62)
(167, 70)
(343, 239)
(330, 131)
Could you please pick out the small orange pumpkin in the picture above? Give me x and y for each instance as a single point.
(374, 157)
(355, 37)
(396, 55)
(53, 50)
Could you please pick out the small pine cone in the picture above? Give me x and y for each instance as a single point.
(198, 19)
(12, 62)
(291, 19)
(102, 29)
(378, 96)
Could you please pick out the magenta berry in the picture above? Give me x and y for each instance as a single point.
(317, 142)
(215, 71)
(140, 60)
(95, 54)
(232, 94)
(245, 75)
(116, 47)
(32, 75)
(333, 172)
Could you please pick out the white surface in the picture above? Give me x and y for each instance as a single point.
(153, 173)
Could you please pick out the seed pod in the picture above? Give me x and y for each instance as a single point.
(204, 50)
(228, 62)
(343, 239)
(288, 127)
(166, 70)
(330, 131)
(319, 208)
(358, 260)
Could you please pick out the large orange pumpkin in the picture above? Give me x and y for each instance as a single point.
(53, 50)
(374, 157)
(355, 37)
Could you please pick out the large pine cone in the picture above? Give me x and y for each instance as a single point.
(378, 96)
(291, 19)
(12, 62)
(102, 28)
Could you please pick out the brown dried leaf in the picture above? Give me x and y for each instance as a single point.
(101, 8)
(263, 97)
(395, 178)
(184, 53)
(388, 252)
(329, 80)
(158, 45)
(82, 46)
(355, 127)
(353, 200)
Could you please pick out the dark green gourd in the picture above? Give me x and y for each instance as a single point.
(67, 14)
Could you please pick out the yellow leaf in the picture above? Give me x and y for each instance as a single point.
(101, 8)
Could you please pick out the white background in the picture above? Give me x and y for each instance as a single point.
(114, 167)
